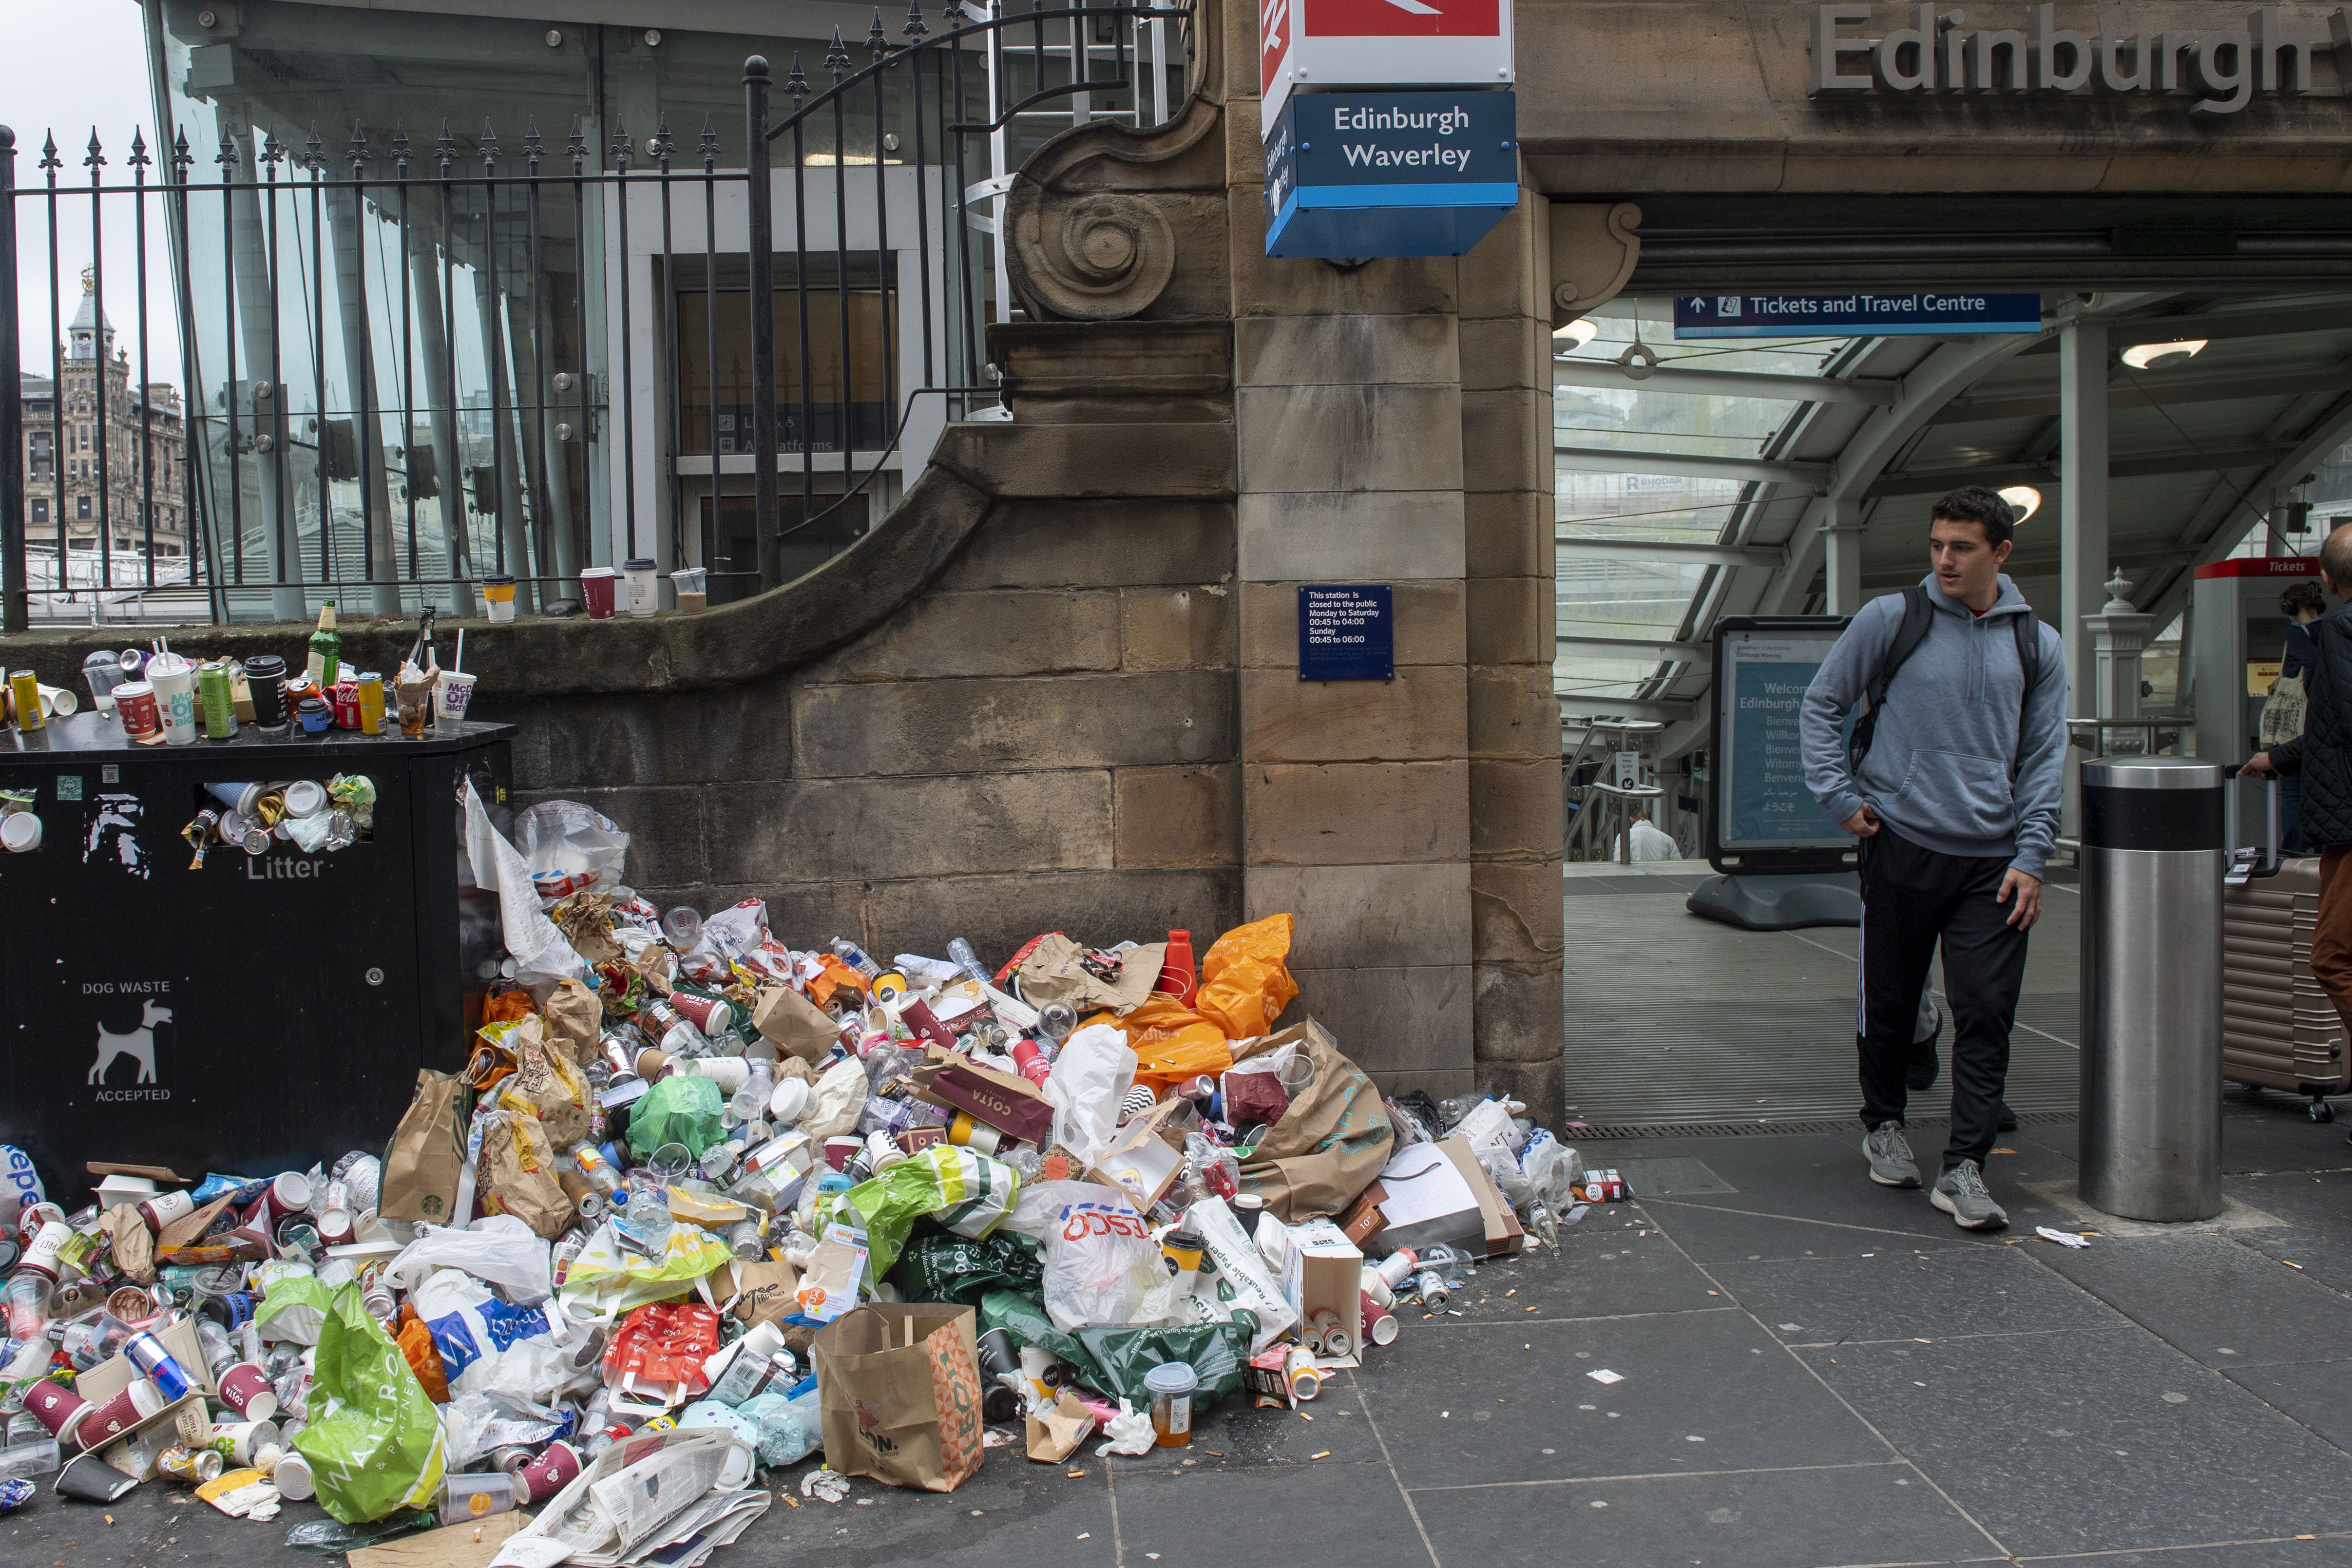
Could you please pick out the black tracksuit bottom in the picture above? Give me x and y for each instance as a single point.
(1911, 899)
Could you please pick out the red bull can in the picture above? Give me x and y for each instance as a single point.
(149, 1355)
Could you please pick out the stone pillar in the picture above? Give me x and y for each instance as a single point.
(1356, 796)
(2118, 635)
(1842, 558)
(2082, 518)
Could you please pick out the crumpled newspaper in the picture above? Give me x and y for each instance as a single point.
(2062, 1237)
(830, 1485)
(1128, 1432)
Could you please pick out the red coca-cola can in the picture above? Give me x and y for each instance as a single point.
(548, 1473)
(344, 699)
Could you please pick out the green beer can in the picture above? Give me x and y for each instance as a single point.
(219, 699)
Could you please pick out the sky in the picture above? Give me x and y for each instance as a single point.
(65, 68)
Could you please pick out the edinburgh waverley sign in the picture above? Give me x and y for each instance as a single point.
(1934, 51)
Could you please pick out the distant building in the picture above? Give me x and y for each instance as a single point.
(140, 435)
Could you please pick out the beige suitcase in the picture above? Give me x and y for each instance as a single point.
(2279, 1030)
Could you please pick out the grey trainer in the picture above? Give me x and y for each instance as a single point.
(1961, 1193)
(1891, 1164)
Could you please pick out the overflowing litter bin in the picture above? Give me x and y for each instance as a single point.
(579, 1199)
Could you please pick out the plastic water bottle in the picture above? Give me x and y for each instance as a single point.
(752, 1098)
(850, 953)
(968, 961)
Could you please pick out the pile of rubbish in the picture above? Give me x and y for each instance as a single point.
(703, 1205)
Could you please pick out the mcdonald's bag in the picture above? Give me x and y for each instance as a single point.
(898, 1386)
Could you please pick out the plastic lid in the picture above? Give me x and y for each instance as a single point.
(265, 664)
(641, 563)
(1172, 1377)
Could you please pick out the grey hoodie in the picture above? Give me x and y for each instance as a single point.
(1946, 747)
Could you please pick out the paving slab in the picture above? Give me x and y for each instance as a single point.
(1699, 1391)
(2316, 1393)
(1767, 1519)
(1904, 1293)
(2302, 1551)
(2208, 1294)
(2092, 1441)
(1338, 1516)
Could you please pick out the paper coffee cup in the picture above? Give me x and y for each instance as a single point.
(175, 680)
(20, 832)
(454, 692)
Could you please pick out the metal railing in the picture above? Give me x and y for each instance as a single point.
(408, 363)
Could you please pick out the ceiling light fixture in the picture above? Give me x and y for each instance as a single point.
(1573, 336)
(2157, 356)
(2024, 500)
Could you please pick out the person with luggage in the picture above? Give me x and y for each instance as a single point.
(1950, 782)
(2321, 757)
(2284, 709)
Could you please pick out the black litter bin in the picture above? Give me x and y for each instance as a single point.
(255, 1015)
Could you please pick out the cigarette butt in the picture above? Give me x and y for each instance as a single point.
(1324, 1455)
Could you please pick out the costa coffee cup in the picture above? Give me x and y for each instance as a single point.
(839, 1151)
(118, 1414)
(707, 1014)
(244, 1388)
(241, 1440)
(58, 1409)
(548, 1473)
(336, 1228)
(289, 1193)
(164, 1207)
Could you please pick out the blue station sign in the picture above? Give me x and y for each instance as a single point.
(1345, 632)
(1920, 313)
(1390, 174)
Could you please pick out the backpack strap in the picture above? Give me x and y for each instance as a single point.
(2028, 627)
(1918, 619)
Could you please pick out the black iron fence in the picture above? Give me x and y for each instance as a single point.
(406, 363)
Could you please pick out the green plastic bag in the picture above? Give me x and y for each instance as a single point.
(970, 1194)
(1113, 1360)
(381, 1450)
(680, 1108)
(937, 1265)
(295, 1309)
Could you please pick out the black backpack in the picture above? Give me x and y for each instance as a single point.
(1918, 619)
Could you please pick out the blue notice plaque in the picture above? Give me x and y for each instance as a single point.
(1390, 174)
(1346, 633)
(1925, 312)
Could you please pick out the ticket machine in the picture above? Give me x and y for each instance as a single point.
(2236, 633)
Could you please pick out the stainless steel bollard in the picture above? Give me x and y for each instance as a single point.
(2153, 857)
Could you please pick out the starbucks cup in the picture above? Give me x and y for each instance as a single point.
(498, 596)
(597, 586)
(455, 690)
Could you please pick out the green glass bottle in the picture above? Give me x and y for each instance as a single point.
(326, 649)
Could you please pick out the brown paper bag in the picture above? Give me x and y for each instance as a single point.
(546, 1084)
(899, 1389)
(134, 1244)
(427, 1152)
(1056, 1436)
(763, 1292)
(1051, 974)
(1330, 1143)
(518, 1176)
(575, 1017)
(587, 921)
(792, 1023)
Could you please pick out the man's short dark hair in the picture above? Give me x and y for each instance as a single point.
(2336, 558)
(1974, 503)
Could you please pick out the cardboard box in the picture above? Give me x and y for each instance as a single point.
(115, 1374)
(1433, 1192)
(1322, 1271)
(1142, 1161)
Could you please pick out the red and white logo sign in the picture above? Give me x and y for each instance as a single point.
(1380, 43)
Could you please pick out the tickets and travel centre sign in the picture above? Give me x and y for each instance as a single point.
(1920, 313)
(1405, 171)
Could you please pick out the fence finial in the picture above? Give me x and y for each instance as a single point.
(877, 42)
(709, 148)
(400, 148)
(915, 29)
(181, 157)
(663, 147)
(314, 152)
(225, 157)
(97, 159)
(621, 146)
(489, 148)
(533, 149)
(49, 159)
(138, 158)
(837, 58)
(796, 86)
(446, 148)
(579, 147)
(271, 151)
(357, 152)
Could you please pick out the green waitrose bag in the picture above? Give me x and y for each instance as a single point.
(381, 1451)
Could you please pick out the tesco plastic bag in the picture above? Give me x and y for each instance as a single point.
(1089, 1077)
(1101, 1264)
(571, 848)
(489, 1346)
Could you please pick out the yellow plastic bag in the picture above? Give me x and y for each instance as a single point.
(1170, 1042)
(1244, 982)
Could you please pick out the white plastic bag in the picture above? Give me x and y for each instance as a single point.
(571, 848)
(490, 1347)
(498, 1250)
(1130, 1432)
(474, 1423)
(1089, 1077)
(1102, 1268)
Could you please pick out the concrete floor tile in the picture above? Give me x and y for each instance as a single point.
(2318, 1551)
(1333, 1515)
(1506, 1405)
(2316, 1393)
(1771, 1519)
(2087, 1442)
(2203, 1294)
(1902, 1294)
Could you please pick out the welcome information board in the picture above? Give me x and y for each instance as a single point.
(1761, 817)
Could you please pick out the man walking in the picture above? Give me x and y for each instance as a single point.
(1951, 784)
(2322, 757)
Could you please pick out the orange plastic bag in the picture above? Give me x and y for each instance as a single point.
(1244, 982)
(1171, 1043)
(663, 1346)
(415, 1343)
(836, 977)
